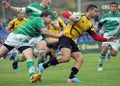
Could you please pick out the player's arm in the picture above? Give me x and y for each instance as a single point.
(61, 23)
(100, 25)
(100, 38)
(51, 41)
(48, 33)
(74, 17)
(15, 9)
(55, 23)
(101, 22)
(10, 27)
(10, 30)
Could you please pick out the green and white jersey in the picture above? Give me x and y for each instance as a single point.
(32, 28)
(36, 9)
(111, 24)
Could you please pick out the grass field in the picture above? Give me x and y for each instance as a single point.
(57, 76)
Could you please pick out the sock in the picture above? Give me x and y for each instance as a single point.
(101, 60)
(74, 71)
(51, 56)
(109, 53)
(17, 58)
(40, 61)
(51, 62)
(46, 55)
(31, 68)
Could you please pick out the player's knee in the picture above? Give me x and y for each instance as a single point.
(2, 54)
(66, 59)
(81, 60)
(113, 54)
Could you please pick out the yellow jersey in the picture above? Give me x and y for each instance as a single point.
(15, 23)
(75, 30)
(57, 30)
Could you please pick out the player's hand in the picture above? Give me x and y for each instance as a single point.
(6, 4)
(112, 38)
(101, 31)
(60, 34)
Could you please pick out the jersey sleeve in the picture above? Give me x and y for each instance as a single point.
(101, 22)
(103, 19)
(40, 23)
(96, 37)
(28, 8)
(61, 22)
(11, 24)
(44, 36)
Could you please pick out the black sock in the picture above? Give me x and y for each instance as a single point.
(51, 56)
(51, 62)
(47, 54)
(74, 71)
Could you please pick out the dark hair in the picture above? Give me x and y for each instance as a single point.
(45, 13)
(90, 7)
(114, 3)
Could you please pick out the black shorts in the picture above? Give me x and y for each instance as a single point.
(21, 49)
(53, 46)
(68, 43)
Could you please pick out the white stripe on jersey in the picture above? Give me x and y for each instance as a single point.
(35, 9)
(111, 18)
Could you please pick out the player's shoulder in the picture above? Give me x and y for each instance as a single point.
(39, 19)
(106, 15)
(25, 19)
(14, 20)
(59, 19)
(34, 4)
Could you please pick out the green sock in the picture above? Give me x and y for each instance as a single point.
(40, 61)
(31, 68)
(108, 53)
(101, 59)
(17, 58)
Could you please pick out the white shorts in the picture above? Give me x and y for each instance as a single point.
(38, 44)
(17, 40)
(35, 41)
(114, 44)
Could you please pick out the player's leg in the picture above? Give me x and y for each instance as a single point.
(65, 47)
(114, 48)
(15, 60)
(102, 56)
(5, 49)
(66, 52)
(49, 52)
(108, 55)
(53, 50)
(27, 51)
(42, 49)
(18, 58)
(77, 56)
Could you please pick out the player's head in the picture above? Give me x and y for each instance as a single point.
(92, 11)
(47, 16)
(46, 3)
(20, 16)
(113, 7)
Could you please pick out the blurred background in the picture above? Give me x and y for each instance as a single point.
(61, 5)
